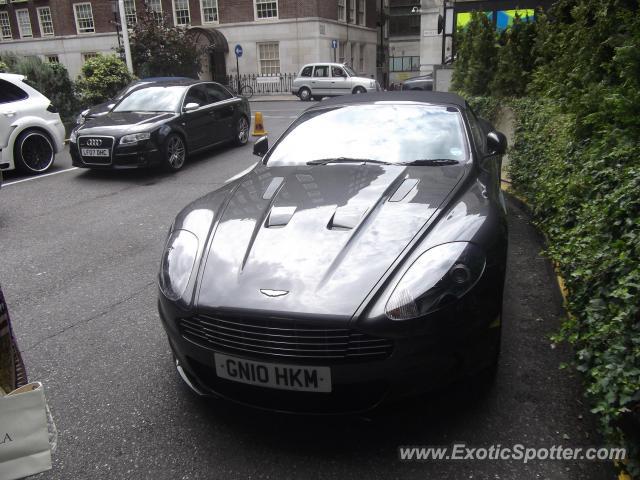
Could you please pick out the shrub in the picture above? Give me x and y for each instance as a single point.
(3, 67)
(102, 78)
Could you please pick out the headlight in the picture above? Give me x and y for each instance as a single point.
(134, 138)
(73, 136)
(81, 117)
(177, 263)
(439, 276)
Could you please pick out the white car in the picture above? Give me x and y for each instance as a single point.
(318, 80)
(31, 132)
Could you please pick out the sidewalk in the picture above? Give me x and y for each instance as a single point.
(288, 97)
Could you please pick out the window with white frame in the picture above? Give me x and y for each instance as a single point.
(24, 23)
(342, 11)
(5, 26)
(209, 11)
(266, 9)
(84, 18)
(269, 58)
(181, 12)
(130, 12)
(361, 58)
(155, 7)
(362, 17)
(52, 58)
(352, 11)
(46, 22)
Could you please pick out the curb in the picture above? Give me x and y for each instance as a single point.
(275, 98)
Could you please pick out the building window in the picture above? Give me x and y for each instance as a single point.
(266, 9)
(5, 26)
(84, 18)
(362, 18)
(52, 58)
(352, 11)
(24, 23)
(269, 58)
(402, 22)
(352, 60)
(404, 64)
(155, 7)
(46, 23)
(209, 11)
(340, 52)
(361, 58)
(181, 12)
(88, 55)
(342, 11)
(130, 13)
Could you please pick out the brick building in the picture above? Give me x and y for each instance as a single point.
(277, 36)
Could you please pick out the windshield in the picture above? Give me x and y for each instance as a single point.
(350, 71)
(152, 99)
(389, 133)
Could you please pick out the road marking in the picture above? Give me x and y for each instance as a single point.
(39, 176)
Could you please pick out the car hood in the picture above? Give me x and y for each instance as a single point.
(99, 110)
(323, 234)
(122, 122)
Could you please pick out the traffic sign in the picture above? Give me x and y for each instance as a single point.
(238, 50)
(334, 43)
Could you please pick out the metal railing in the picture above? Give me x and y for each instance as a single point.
(262, 84)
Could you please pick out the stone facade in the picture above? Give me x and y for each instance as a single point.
(302, 31)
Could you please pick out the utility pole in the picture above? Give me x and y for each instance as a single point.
(125, 36)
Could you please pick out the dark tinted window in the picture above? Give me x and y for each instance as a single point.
(217, 93)
(321, 71)
(306, 72)
(476, 131)
(197, 95)
(10, 93)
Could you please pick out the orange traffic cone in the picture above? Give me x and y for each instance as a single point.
(258, 127)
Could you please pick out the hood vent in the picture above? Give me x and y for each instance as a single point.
(404, 189)
(280, 216)
(345, 218)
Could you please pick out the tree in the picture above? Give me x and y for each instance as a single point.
(159, 49)
(515, 59)
(102, 78)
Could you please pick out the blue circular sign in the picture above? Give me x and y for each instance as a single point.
(238, 51)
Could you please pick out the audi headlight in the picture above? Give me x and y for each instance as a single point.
(177, 263)
(439, 276)
(81, 117)
(134, 138)
(73, 136)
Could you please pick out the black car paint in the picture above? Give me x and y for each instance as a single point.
(221, 118)
(342, 277)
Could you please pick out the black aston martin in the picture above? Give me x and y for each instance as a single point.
(159, 124)
(361, 260)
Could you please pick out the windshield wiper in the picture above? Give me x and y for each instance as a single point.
(431, 162)
(325, 161)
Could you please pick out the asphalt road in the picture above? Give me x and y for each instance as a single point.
(80, 253)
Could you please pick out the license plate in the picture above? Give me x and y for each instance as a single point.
(95, 152)
(273, 375)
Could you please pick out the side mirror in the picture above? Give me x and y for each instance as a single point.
(261, 147)
(190, 107)
(497, 142)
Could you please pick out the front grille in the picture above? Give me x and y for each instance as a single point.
(280, 339)
(94, 143)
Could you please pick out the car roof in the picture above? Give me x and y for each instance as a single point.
(332, 64)
(433, 98)
(12, 77)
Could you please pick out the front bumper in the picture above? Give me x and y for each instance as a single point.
(417, 364)
(141, 155)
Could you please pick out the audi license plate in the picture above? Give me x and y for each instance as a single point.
(273, 375)
(94, 152)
